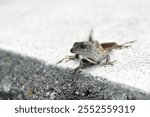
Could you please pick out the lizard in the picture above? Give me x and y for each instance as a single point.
(93, 52)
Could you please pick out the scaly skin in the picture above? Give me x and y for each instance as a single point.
(93, 52)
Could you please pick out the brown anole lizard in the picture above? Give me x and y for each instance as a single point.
(93, 52)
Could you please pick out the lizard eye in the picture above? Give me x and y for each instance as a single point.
(76, 43)
(83, 46)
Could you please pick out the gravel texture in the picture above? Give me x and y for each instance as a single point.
(47, 29)
(23, 78)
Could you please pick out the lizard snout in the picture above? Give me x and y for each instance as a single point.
(71, 50)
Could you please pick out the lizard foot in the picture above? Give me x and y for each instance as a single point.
(110, 63)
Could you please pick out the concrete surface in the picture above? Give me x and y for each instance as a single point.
(46, 30)
(22, 77)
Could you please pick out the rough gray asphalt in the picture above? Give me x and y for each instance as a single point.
(28, 78)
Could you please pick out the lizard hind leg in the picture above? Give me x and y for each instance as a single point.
(124, 45)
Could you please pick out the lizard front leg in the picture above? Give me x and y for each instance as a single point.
(108, 62)
(84, 63)
(68, 58)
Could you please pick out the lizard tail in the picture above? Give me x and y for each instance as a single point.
(90, 36)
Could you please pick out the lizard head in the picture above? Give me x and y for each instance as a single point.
(81, 47)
